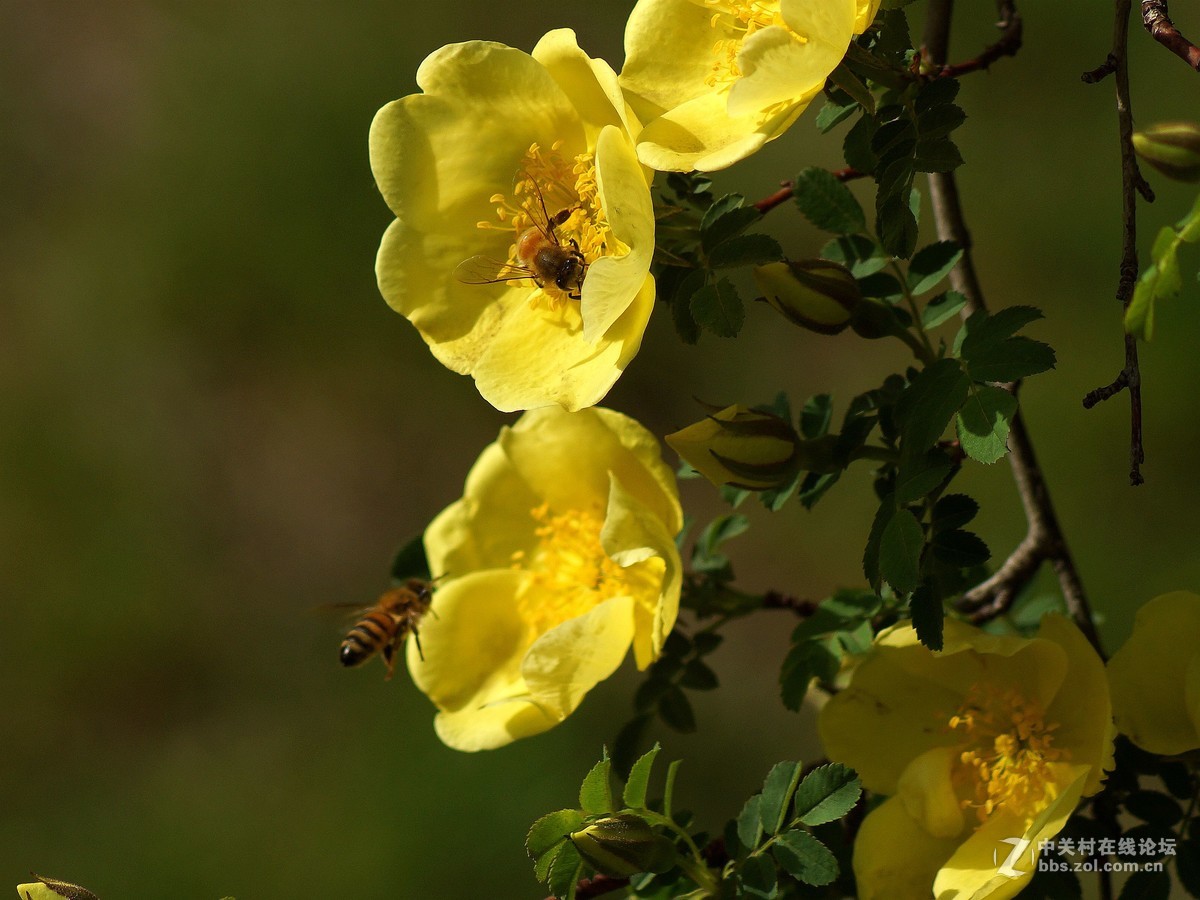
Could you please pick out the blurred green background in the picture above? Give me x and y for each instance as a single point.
(210, 424)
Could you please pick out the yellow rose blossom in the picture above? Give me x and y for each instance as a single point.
(558, 557)
(467, 166)
(992, 740)
(1155, 676)
(714, 80)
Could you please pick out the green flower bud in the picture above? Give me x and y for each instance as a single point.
(741, 447)
(1171, 147)
(52, 889)
(816, 294)
(624, 844)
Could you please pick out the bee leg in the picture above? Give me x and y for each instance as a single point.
(389, 657)
(417, 638)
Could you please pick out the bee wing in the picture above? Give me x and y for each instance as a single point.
(488, 270)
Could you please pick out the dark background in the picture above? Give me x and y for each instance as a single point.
(210, 424)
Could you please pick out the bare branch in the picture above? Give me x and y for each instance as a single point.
(787, 191)
(1045, 540)
(1158, 23)
(1010, 26)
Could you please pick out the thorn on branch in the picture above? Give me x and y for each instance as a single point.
(1102, 71)
(1158, 23)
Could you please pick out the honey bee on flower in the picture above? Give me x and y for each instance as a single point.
(524, 227)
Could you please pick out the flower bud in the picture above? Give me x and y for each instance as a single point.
(52, 889)
(816, 294)
(624, 844)
(1171, 147)
(741, 447)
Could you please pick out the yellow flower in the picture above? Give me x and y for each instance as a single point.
(468, 167)
(714, 80)
(991, 741)
(1155, 676)
(742, 447)
(560, 554)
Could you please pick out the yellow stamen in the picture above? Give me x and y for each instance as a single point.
(569, 572)
(544, 176)
(1007, 753)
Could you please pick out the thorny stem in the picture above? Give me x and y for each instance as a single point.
(1132, 184)
(1045, 541)
(1158, 23)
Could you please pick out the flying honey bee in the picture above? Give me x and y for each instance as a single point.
(541, 255)
(384, 626)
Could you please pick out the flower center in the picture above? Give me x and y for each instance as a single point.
(738, 19)
(1008, 749)
(546, 188)
(569, 572)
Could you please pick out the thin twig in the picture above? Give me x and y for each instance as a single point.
(787, 190)
(776, 600)
(1132, 183)
(1045, 541)
(1009, 43)
(1163, 30)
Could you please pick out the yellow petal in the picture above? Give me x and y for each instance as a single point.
(632, 534)
(668, 54)
(700, 134)
(778, 67)
(865, 14)
(568, 661)
(614, 280)
(929, 795)
(1081, 706)
(830, 22)
(896, 859)
(1149, 675)
(590, 84)
(472, 643)
(974, 871)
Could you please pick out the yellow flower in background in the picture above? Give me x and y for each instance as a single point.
(1155, 676)
(503, 155)
(558, 557)
(714, 80)
(992, 740)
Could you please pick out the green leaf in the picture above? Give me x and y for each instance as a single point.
(720, 530)
(938, 121)
(725, 218)
(565, 872)
(897, 227)
(959, 548)
(1147, 886)
(983, 423)
(927, 617)
(676, 710)
(856, 146)
(870, 563)
(900, 551)
(984, 328)
(861, 255)
(805, 858)
(930, 402)
(826, 794)
(1153, 807)
(833, 113)
(845, 609)
(639, 779)
(548, 832)
(697, 676)
(1187, 866)
(410, 562)
(920, 474)
(627, 742)
(745, 250)
(718, 308)
(816, 416)
(776, 794)
(931, 264)
(935, 93)
(1139, 317)
(681, 306)
(758, 879)
(828, 203)
(854, 86)
(804, 662)
(953, 511)
(749, 823)
(1013, 359)
(595, 794)
(942, 308)
(939, 154)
